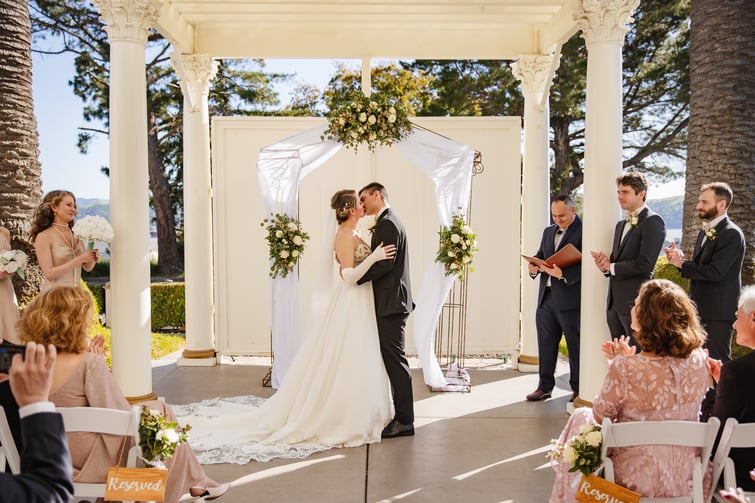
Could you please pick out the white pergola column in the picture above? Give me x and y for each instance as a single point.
(196, 71)
(535, 73)
(128, 22)
(603, 25)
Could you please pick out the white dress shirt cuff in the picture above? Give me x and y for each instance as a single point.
(36, 408)
(612, 269)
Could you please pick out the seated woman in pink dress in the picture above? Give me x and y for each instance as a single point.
(665, 381)
(61, 316)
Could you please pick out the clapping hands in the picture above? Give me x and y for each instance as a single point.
(618, 347)
(674, 255)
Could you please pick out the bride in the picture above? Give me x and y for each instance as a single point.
(335, 392)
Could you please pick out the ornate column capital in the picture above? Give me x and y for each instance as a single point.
(535, 73)
(195, 72)
(128, 20)
(605, 20)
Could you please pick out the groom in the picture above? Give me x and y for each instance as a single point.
(393, 303)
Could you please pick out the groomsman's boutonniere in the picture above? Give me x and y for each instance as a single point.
(710, 234)
(633, 220)
(372, 226)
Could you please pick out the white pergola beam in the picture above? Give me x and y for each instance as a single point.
(172, 25)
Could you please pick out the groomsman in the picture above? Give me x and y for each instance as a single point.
(637, 242)
(714, 272)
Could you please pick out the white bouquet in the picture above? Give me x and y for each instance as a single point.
(13, 261)
(93, 228)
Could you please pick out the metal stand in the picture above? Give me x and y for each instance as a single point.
(451, 334)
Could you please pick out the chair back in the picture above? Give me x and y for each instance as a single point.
(103, 421)
(671, 433)
(735, 436)
(8, 450)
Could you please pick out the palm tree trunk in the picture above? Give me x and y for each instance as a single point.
(721, 122)
(20, 170)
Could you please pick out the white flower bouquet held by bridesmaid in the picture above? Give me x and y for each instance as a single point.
(93, 228)
(13, 261)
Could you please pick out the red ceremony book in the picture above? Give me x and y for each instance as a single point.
(565, 257)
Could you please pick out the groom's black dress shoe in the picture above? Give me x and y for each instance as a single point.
(396, 429)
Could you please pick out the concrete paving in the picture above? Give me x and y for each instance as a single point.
(487, 445)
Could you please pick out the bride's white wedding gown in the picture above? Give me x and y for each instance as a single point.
(335, 393)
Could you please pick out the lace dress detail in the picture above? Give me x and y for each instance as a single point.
(362, 252)
(641, 388)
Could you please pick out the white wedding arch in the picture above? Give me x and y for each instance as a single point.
(283, 165)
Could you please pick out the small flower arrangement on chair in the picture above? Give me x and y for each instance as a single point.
(158, 437)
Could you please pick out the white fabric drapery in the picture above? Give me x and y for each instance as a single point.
(283, 165)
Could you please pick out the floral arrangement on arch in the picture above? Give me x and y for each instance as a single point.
(93, 228)
(583, 450)
(158, 437)
(285, 239)
(458, 245)
(375, 120)
(14, 261)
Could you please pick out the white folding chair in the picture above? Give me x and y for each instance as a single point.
(105, 421)
(8, 450)
(679, 433)
(735, 435)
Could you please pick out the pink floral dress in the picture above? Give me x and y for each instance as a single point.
(643, 388)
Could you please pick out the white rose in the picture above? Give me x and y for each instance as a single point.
(373, 104)
(283, 254)
(454, 266)
(467, 229)
(570, 455)
(466, 259)
(392, 111)
(451, 254)
(362, 117)
(295, 253)
(594, 438)
(12, 267)
(292, 226)
(392, 118)
(373, 136)
(278, 234)
(354, 134)
(455, 238)
(298, 241)
(463, 247)
(586, 428)
(371, 119)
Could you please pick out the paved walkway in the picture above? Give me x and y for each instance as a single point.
(484, 446)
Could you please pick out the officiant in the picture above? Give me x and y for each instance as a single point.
(558, 300)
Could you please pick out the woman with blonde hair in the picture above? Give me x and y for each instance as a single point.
(666, 380)
(60, 254)
(61, 316)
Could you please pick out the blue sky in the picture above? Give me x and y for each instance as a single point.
(58, 113)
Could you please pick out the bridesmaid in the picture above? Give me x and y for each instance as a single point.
(8, 303)
(60, 254)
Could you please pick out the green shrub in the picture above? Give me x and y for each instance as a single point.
(98, 292)
(664, 270)
(168, 305)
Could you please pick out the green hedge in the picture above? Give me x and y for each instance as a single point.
(168, 304)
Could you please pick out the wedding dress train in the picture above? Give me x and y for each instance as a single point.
(335, 394)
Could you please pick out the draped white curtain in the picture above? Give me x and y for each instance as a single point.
(283, 165)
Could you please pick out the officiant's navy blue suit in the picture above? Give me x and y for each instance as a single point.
(558, 308)
(392, 290)
(633, 260)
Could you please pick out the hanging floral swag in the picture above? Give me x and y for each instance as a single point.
(285, 239)
(375, 120)
(458, 245)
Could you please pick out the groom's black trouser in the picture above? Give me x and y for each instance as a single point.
(391, 333)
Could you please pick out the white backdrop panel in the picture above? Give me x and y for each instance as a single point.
(242, 312)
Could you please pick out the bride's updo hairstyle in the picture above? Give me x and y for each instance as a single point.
(668, 320)
(342, 202)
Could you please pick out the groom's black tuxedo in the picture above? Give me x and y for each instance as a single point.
(392, 290)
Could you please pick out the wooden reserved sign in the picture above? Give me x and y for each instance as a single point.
(592, 489)
(135, 484)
